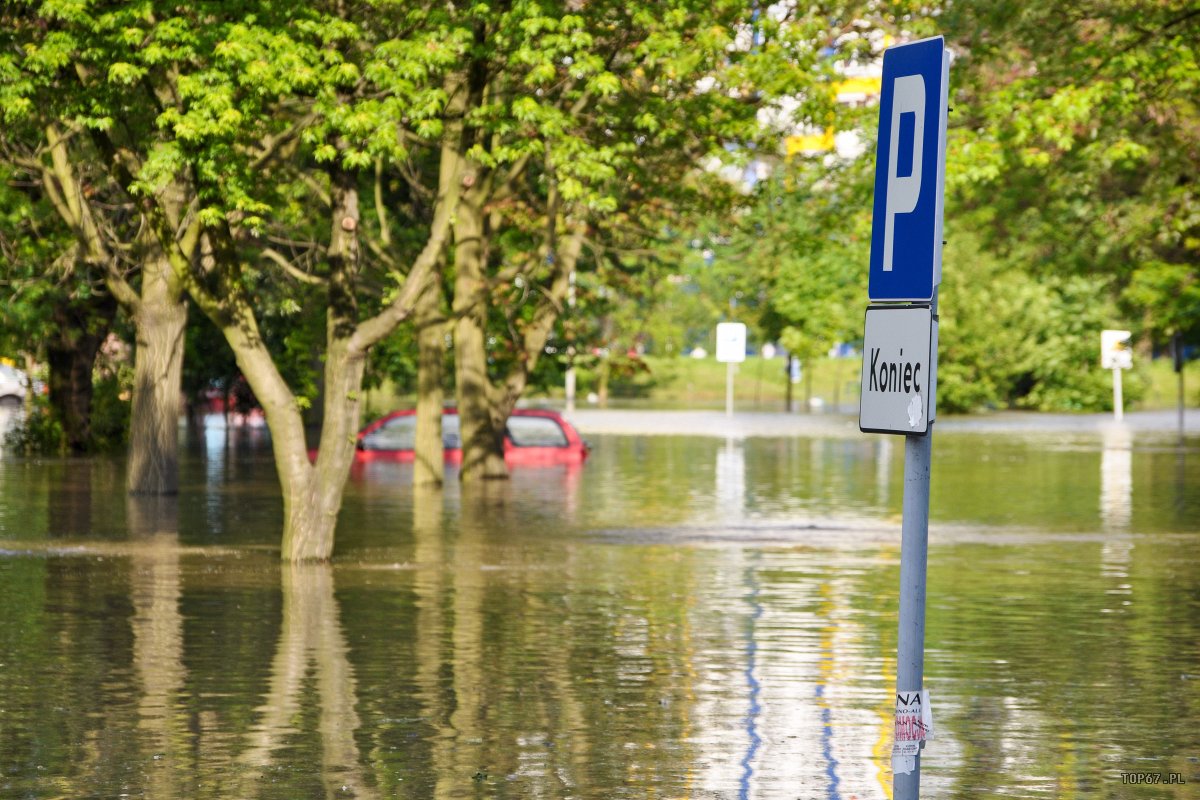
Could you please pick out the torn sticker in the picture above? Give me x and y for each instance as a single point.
(914, 723)
(914, 411)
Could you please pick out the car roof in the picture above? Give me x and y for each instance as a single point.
(516, 412)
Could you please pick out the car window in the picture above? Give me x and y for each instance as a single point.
(450, 437)
(536, 432)
(399, 433)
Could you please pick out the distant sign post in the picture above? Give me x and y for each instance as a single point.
(899, 375)
(731, 349)
(1116, 355)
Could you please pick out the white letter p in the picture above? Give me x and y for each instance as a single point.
(908, 96)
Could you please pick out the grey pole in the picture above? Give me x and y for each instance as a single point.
(1177, 357)
(914, 551)
(914, 547)
(729, 389)
(1118, 400)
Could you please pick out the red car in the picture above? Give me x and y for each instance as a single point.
(532, 436)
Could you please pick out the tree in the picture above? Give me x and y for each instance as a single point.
(80, 111)
(1079, 125)
(57, 309)
(189, 109)
(579, 113)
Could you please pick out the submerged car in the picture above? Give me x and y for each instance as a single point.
(13, 386)
(532, 436)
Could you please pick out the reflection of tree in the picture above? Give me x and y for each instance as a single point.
(429, 586)
(155, 588)
(468, 720)
(310, 638)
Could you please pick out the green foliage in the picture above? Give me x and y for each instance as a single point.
(111, 394)
(395, 360)
(1010, 340)
(1078, 124)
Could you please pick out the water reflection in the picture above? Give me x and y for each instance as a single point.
(157, 627)
(311, 647)
(731, 480)
(883, 470)
(1116, 478)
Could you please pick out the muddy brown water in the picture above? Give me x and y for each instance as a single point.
(682, 617)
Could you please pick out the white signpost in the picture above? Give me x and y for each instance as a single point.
(731, 349)
(899, 375)
(1116, 355)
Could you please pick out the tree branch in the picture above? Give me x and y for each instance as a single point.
(291, 269)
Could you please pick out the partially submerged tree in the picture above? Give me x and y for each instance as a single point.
(518, 132)
(79, 89)
(580, 114)
(190, 110)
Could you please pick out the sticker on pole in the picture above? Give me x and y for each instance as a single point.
(914, 725)
(898, 373)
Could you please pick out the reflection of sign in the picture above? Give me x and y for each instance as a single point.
(1114, 350)
(914, 722)
(731, 342)
(906, 231)
(897, 381)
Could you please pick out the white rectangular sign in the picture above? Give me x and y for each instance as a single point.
(1114, 350)
(898, 386)
(731, 342)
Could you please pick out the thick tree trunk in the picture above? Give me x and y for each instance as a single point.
(482, 442)
(71, 355)
(428, 467)
(159, 318)
(70, 383)
(312, 495)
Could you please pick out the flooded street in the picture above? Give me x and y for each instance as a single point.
(680, 617)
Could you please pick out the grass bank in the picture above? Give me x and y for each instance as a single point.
(761, 385)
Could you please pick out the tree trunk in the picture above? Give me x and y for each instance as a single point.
(82, 326)
(312, 493)
(429, 457)
(808, 388)
(603, 371)
(482, 443)
(312, 496)
(160, 319)
(70, 382)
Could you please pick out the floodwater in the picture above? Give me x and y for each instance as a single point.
(682, 617)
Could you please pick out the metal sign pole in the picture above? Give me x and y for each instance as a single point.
(1118, 400)
(914, 551)
(729, 389)
(914, 547)
(899, 376)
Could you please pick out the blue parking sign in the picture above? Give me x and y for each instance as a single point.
(906, 229)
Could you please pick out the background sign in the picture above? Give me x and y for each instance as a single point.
(898, 382)
(1114, 350)
(731, 342)
(906, 230)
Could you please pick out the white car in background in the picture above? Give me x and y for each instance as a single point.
(14, 384)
